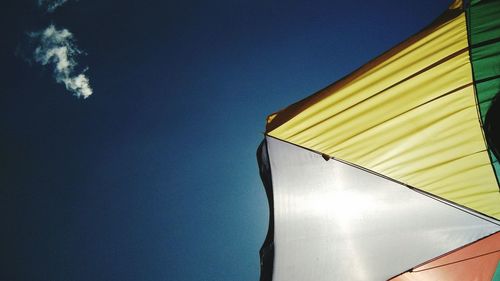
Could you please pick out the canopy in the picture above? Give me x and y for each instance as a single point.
(389, 168)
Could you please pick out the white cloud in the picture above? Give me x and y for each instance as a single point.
(51, 5)
(57, 47)
(79, 84)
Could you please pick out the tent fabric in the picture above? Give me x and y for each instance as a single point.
(496, 276)
(267, 249)
(484, 22)
(484, 25)
(333, 221)
(414, 114)
(477, 261)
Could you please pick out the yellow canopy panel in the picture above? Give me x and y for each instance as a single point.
(410, 115)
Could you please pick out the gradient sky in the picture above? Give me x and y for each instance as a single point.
(154, 176)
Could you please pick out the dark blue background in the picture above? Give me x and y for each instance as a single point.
(154, 176)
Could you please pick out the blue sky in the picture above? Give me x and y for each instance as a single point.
(154, 176)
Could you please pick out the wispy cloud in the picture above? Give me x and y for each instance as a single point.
(57, 47)
(51, 5)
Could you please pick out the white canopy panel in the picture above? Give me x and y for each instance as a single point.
(333, 221)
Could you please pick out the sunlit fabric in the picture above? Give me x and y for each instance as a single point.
(477, 261)
(412, 114)
(336, 222)
(392, 171)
